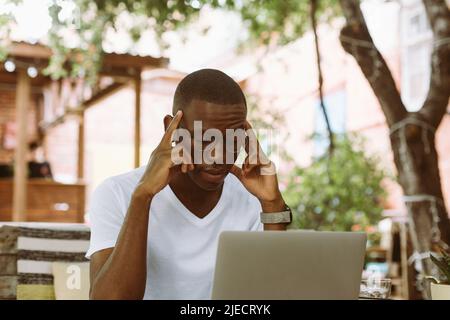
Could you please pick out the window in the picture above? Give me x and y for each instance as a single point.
(415, 55)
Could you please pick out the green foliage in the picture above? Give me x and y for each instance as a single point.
(340, 193)
(267, 21)
(5, 24)
(443, 263)
(77, 40)
(284, 21)
(90, 20)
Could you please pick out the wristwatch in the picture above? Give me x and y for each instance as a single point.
(277, 217)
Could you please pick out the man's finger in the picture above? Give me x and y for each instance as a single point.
(172, 126)
(268, 170)
(253, 149)
(237, 171)
(177, 158)
(247, 167)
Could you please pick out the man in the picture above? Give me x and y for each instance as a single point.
(38, 167)
(155, 229)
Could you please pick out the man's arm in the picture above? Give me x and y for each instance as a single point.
(121, 272)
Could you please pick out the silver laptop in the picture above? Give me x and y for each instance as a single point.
(289, 265)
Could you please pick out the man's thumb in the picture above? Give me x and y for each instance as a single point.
(236, 171)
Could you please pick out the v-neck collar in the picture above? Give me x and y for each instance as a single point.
(189, 215)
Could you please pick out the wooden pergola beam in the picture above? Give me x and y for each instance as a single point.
(81, 144)
(110, 60)
(137, 121)
(126, 60)
(96, 98)
(27, 50)
(58, 120)
(21, 150)
(103, 94)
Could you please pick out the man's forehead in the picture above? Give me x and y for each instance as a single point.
(213, 115)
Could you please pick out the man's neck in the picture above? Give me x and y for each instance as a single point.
(197, 200)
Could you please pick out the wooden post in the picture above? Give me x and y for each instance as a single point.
(80, 161)
(21, 150)
(137, 120)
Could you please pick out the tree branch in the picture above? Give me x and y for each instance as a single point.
(435, 105)
(371, 62)
(320, 76)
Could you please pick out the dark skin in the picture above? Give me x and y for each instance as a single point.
(198, 187)
(195, 191)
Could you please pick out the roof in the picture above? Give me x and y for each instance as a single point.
(113, 64)
(74, 95)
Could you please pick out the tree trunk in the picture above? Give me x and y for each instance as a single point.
(412, 133)
(416, 161)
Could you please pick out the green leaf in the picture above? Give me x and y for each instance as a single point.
(338, 193)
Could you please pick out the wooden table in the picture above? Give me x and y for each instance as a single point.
(48, 201)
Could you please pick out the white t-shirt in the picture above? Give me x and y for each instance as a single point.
(181, 248)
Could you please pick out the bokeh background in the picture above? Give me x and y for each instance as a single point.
(84, 86)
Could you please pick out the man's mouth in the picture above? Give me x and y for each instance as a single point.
(215, 171)
(213, 175)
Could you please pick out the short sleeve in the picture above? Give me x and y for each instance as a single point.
(257, 226)
(106, 215)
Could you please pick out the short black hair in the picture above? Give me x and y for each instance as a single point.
(208, 85)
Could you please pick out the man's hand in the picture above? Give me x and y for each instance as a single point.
(258, 175)
(160, 167)
(129, 255)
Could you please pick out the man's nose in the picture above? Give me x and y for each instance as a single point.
(217, 156)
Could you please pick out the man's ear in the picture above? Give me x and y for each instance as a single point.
(167, 119)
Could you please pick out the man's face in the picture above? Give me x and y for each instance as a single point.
(212, 116)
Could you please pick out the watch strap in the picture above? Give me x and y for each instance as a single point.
(277, 217)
